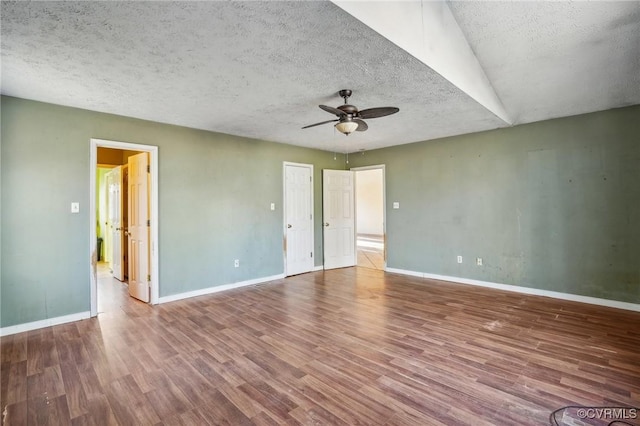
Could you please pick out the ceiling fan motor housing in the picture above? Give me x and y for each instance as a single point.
(348, 109)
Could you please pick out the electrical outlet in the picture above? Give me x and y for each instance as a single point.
(459, 259)
(236, 263)
(396, 205)
(479, 261)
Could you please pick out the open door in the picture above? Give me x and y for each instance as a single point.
(338, 213)
(115, 219)
(139, 223)
(125, 221)
(108, 229)
(298, 210)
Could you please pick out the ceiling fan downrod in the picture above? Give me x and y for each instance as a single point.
(344, 94)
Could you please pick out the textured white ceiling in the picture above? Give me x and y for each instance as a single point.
(556, 59)
(259, 69)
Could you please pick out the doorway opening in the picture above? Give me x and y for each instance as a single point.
(370, 217)
(121, 243)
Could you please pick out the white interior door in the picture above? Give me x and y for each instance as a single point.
(138, 205)
(115, 205)
(108, 229)
(298, 200)
(338, 215)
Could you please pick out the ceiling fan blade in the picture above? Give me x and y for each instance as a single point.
(362, 126)
(317, 124)
(377, 112)
(332, 110)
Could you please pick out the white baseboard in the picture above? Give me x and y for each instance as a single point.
(525, 290)
(216, 289)
(318, 268)
(404, 272)
(20, 328)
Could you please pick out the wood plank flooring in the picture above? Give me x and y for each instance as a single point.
(344, 347)
(370, 251)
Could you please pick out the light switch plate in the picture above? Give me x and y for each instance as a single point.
(75, 207)
(396, 205)
(273, 206)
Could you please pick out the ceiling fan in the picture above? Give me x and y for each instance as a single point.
(349, 118)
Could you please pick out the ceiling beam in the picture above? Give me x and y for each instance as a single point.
(428, 31)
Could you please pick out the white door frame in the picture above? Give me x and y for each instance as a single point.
(284, 212)
(153, 244)
(384, 204)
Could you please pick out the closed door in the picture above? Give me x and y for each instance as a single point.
(338, 218)
(298, 199)
(139, 223)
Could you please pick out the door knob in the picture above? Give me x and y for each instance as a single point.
(288, 225)
(326, 224)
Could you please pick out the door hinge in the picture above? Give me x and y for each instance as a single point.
(148, 222)
(148, 278)
(310, 179)
(311, 254)
(148, 168)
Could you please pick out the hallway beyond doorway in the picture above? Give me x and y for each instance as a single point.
(370, 251)
(113, 295)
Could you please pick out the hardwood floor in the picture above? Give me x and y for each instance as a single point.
(370, 251)
(343, 347)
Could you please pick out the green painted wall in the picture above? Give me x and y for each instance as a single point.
(552, 205)
(215, 192)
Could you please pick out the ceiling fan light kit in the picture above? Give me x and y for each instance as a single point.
(347, 127)
(349, 118)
